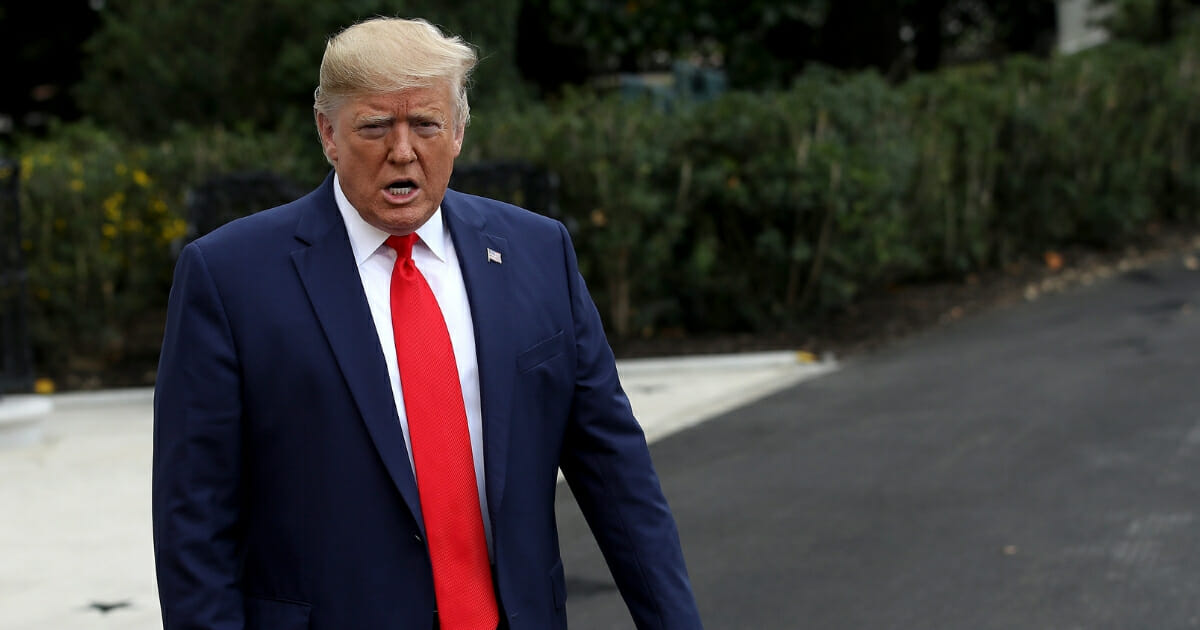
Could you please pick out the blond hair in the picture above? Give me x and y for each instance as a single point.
(383, 55)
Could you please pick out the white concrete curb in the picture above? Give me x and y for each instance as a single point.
(742, 361)
(75, 400)
(21, 419)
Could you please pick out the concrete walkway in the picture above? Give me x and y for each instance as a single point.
(75, 532)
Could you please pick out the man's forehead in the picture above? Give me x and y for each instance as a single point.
(406, 100)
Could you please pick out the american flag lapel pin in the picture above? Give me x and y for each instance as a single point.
(494, 256)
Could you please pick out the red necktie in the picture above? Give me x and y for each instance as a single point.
(441, 450)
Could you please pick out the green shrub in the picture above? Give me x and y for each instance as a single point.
(748, 213)
(155, 63)
(618, 194)
(98, 231)
(102, 217)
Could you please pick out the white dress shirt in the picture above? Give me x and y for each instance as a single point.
(434, 255)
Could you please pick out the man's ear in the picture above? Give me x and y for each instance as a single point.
(458, 139)
(325, 130)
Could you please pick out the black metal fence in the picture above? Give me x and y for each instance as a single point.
(518, 183)
(224, 198)
(16, 363)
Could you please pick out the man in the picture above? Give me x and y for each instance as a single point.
(364, 396)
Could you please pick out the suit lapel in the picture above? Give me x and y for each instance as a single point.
(334, 288)
(487, 283)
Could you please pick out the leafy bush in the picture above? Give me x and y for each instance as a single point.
(140, 80)
(98, 230)
(760, 212)
(102, 219)
(747, 213)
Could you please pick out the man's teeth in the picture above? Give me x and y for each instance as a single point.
(400, 190)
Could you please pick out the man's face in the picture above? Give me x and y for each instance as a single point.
(393, 154)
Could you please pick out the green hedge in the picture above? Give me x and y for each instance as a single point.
(101, 221)
(750, 213)
(761, 212)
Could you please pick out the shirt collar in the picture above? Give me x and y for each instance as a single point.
(366, 239)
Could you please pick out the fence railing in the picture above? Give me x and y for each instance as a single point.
(226, 197)
(16, 363)
(517, 183)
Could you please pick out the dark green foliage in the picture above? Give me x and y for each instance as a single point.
(761, 212)
(764, 44)
(102, 219)
(1149, 21)
(747, 213)
(157, 63)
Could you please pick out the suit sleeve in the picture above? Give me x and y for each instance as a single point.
(607, 464)
(196, 472)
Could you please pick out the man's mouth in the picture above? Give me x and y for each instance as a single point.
(401, 188)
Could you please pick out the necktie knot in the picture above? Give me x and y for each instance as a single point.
(402, 244)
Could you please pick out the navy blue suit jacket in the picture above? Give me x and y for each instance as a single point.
(282, 493)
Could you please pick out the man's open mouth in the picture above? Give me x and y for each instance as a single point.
(401, 188)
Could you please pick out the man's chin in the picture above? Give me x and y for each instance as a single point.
(401, 220)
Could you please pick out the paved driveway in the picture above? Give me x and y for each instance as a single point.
(1037, 467)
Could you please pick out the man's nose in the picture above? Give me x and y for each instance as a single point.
(401, 150)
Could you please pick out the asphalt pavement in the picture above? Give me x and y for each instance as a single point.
(1035, 467)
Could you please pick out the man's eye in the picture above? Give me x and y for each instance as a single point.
(428, 127)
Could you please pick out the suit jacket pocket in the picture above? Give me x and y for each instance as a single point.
(541, 352)
(276, 614)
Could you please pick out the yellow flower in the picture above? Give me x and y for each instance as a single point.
(76, 167)
(26, 167)
(120, 168)
(112, 206)
(174, 229)
(77, 185)
(158, 206)
(141, 178)
(108, 230)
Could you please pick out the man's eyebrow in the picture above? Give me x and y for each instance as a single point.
(434, 116)
(376, 119)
